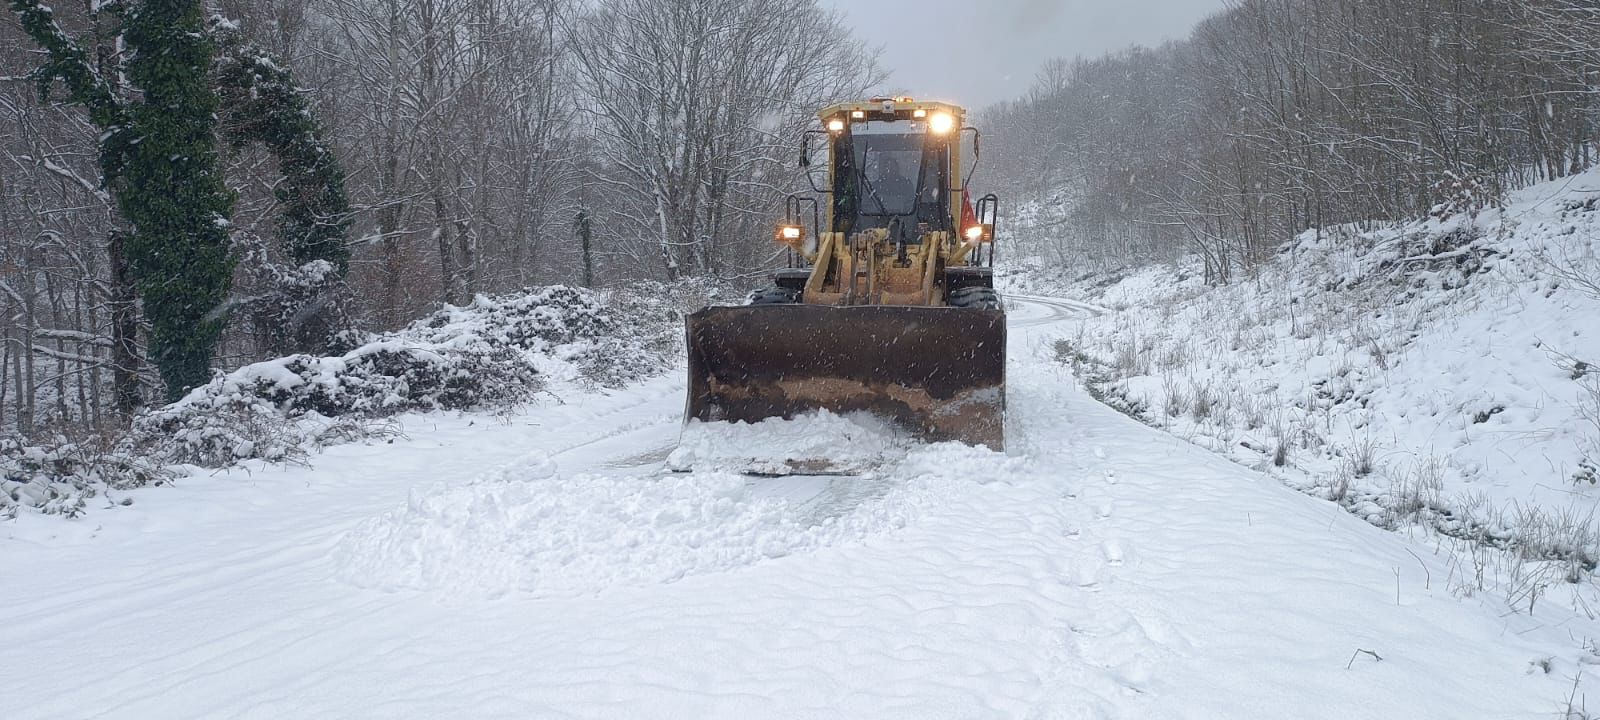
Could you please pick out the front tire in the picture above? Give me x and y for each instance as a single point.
(775, 296)
(981, 298)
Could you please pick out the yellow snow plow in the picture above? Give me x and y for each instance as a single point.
(888, 306)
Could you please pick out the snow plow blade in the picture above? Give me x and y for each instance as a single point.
(938, 372)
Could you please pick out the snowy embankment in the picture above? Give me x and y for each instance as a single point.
(1440, 373)
(492, 354)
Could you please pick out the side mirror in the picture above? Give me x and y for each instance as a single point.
(805, 160)
(977, 154)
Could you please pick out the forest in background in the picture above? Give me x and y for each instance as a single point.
(376, 158)
(1278, 116)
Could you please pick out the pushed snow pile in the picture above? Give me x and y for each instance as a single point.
(530, 529)
(494, 352)
(820, 442)
(1441, 371)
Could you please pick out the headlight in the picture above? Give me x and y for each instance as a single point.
(836, 125)
(790, 233)
(941, 122)
(975, 233)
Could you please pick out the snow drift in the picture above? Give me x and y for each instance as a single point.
(815, 442)
(531, 529)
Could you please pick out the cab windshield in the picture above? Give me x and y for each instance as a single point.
(892, 170)
(891, 166)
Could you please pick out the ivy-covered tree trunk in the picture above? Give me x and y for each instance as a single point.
(124, 329)
(173, 191)
(306, 307)
(158, 157)
(122, 297)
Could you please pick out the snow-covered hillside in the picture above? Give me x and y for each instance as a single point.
(1440, 372)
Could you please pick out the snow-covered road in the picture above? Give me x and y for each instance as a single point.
(543, 565)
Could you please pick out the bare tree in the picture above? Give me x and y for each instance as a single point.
(696, 107)
(473, 133)
(1280, 115)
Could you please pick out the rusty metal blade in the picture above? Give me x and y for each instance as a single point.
(936, 371)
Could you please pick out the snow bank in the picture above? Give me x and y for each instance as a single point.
(495, 352)
(530, 529)
(1440, 371)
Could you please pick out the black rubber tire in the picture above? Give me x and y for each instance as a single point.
(792, 278)
(962, 277)
(982, 298)
(774, 296)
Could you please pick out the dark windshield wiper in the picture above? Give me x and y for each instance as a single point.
(882, 208)
(861, 175)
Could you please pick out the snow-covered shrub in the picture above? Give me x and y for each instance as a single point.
(1458, 195)
(1589, 413)
(1282, 444)
(493, 352)
(496, 352)
(1339, 484)
(637, 347)
(1204, 401)
(297, 309)
(59, 476)
(220, 430)
(1417, 488)
(1362, 456)
(1176, 399)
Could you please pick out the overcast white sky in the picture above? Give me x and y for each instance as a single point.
(1004, 42)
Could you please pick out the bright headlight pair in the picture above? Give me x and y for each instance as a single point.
(939, 123)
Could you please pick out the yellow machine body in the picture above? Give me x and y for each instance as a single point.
(889, 311)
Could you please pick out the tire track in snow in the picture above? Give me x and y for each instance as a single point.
(1114, 646)
(1088, 679)
(1061, 309)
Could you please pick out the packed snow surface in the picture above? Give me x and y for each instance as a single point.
(529, 528)
(548, 565)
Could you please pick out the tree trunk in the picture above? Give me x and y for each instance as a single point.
(442, 234)
(124, 304)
